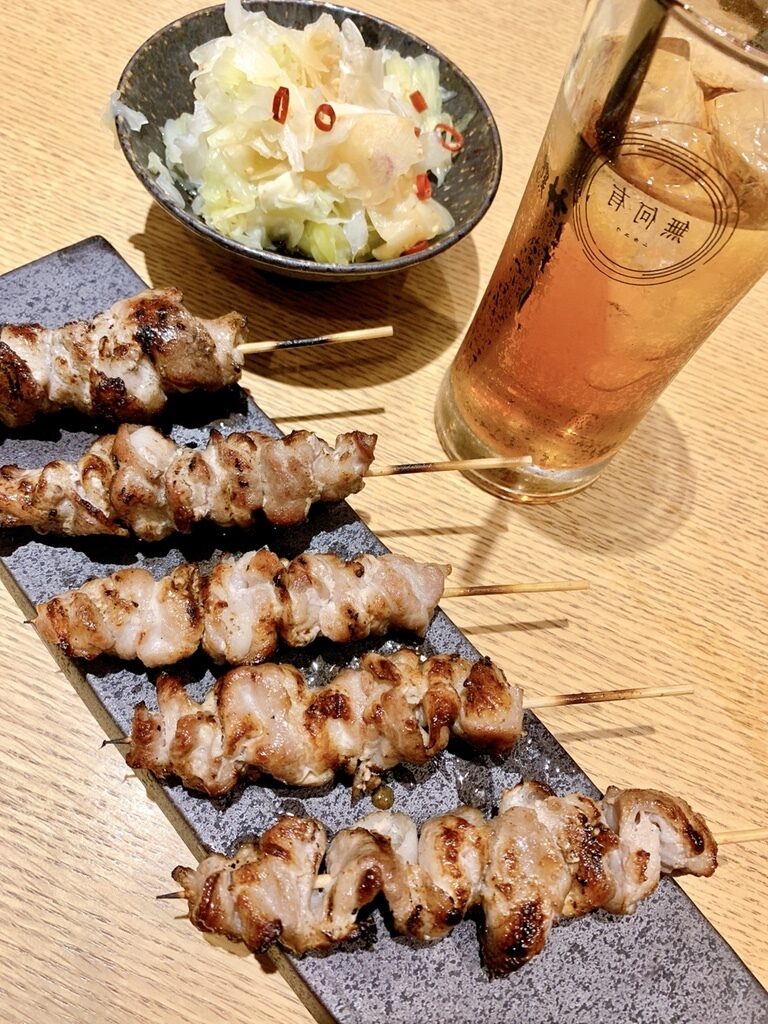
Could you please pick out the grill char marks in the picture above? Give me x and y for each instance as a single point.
(249, 887)
(328, 705)
(487, 705)
(520, 936)
(659, 834)
(22, 396)
(582, 837)
(525, 885)
(71, 498)
(110, 398)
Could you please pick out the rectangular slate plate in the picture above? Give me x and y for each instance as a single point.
(665, 964)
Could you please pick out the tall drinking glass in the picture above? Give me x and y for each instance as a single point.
(644, 222)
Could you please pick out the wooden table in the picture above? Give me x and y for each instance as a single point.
(673, 538)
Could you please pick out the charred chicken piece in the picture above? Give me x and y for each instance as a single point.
(71, 498)
(658, 834)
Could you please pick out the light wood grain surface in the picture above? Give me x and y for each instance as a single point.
(673, 538)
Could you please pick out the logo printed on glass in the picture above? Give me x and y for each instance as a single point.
(653, 212)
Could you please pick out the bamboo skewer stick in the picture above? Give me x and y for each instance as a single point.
(339, 338)
(459, 465)
(602, 696)
(744, 835)
(515, 588)
(565, 699)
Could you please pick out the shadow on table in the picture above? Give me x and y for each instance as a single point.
(486, 533)
(236, 948)
(643, 497)
(529, 626)
(428, 305)
(603, 734)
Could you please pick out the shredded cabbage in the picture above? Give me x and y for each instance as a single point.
(115, 107)
(165, 181)
(335, 196)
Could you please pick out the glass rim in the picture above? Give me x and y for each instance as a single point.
(720, 37)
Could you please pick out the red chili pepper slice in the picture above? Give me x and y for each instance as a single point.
(417, 131)
(418, 101)
(325, 117)
(454, 140)
(423, 186)
(280, 104)
(417, 247)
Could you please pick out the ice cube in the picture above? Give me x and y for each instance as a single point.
(671, 44)
(660, 169)
(740, 130)
(716, 70)
(670, 92)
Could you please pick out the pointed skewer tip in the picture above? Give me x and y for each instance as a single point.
(515, 588)
(603, 696)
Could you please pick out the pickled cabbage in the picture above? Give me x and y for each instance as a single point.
(335, 196)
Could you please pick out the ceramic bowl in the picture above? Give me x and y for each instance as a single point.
(156, 82)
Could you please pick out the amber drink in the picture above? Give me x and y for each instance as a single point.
(644, 221)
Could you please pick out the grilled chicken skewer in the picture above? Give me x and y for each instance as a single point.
(139, 481)
(122, 364)
(394, 709)
(542, 858)
(244, 608)
(266, 719)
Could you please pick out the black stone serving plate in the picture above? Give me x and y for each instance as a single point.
(664, 965)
